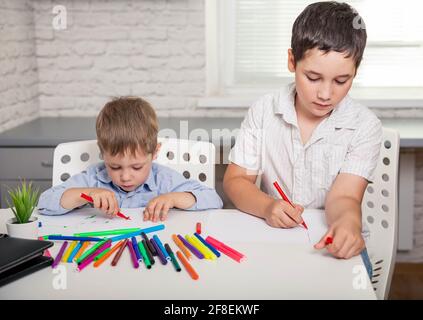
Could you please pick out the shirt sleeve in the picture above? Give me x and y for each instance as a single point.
(206, 198)
(247, 151)
(49, 202)
(363, 153)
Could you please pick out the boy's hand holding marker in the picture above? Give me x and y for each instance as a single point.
(281, 214)
(343, 239)
(105, 200)
(284, 213)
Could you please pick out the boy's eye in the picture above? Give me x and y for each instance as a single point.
(340, 82)
(114, 168)
(312, 79)
(137, 168)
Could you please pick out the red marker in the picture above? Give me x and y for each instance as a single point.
(328, 240)
(198, 228)
(89, 199)
(276, 184)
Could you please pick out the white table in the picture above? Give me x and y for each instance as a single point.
(271, 271)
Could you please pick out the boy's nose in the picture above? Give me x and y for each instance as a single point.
(324, 93)
(125, 177)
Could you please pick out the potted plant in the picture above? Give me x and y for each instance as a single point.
(24, 200)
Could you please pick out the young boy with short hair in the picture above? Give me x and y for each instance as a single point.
(319, 144)
(127, 132)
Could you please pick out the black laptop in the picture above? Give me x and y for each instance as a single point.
(21, 257)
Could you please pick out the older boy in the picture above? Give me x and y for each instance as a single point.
(311, 137)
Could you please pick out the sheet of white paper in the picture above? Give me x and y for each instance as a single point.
(233, 226)
(89, 219)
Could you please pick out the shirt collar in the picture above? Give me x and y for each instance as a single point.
(104, 177)
(285, 104)
(150, 183)
(343, 116)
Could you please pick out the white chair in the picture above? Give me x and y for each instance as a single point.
(193, 159)
(380, 213)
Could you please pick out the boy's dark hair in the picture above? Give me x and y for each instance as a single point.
(329, 26)
(127, 124)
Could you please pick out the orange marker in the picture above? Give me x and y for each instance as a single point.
(81, 250)
(187, 266)
(108, 254)
(181, 246)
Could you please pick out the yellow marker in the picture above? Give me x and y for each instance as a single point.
(81, 250)
(200, 247)
(69, 251)
(209, 252)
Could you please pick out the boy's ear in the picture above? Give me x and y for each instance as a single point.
(156, 153)
(291, 61)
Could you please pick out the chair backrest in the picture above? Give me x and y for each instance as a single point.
(380, 213)
(193, 159)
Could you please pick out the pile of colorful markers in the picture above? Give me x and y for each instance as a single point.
(143, 251)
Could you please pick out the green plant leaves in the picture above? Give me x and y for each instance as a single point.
(24, 199)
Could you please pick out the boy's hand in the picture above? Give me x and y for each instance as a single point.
(347, 239)
(158, 207)
(281, 214)
(105, 200)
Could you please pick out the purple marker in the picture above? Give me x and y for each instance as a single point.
(133, 255)
(159, 252)
(191, 248)
(59, 255)
(91, 257)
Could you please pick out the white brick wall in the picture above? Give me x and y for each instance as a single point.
(149, 48)
(18, 66)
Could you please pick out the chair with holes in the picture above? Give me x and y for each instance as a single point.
(193, 159)
(380, 213)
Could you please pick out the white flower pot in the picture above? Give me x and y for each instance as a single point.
(27, 230)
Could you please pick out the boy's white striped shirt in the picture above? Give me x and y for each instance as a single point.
(269, 141)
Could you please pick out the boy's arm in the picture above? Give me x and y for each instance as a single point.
(185, 193)
(240, 187)
(50, 202)
(343, 213)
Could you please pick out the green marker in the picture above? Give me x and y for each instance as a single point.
(90, 251)
(144, 255)
(172, 256)
(106, 232)
(102, 254)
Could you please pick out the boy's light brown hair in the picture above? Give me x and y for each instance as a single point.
(127, 124)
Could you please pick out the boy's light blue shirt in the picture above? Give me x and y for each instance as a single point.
(161, 180)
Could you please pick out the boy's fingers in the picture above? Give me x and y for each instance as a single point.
(116, 206)
(326, 240)
(111, 210)
(96, 202)
(295, 216)
(165, 211)
(150, 207)
(146, 214)
(345, 248)
(157, 210)
(287, 221)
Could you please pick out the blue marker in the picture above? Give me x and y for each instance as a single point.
(161, 247)
(71, 238)
(213, 249)
(75, 251)
(137, 233)
(136, 249)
